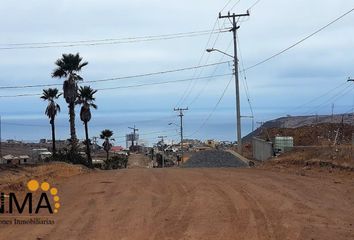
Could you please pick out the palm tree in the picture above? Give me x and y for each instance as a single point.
(50, 95)
(68, 66)
(86, 99)
(106, 135)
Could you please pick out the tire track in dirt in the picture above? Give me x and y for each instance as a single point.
(193, 204)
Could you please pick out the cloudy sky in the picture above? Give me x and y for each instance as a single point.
(307, 79)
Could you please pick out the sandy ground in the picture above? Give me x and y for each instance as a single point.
(199, 204)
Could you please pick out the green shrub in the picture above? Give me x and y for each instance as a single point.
(116, 162)
(69, 157)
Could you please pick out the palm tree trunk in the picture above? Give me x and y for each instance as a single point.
(53, 136)
(107, 155)
(88, 151)
(72, 125)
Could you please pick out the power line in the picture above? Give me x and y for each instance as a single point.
(17, 46)
(253, 5)
(193, 83)
(299, 42)
(202, 89)
(199, 63)
(226, 5)
(233, 6)
(164, 82)
(318, 97)
(119, 78)
(128, 86)
(213, 110)
(109, 39)
(347, 90)
(245, 84)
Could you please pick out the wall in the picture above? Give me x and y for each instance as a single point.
(262, 150)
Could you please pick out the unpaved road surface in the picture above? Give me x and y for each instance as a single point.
(198, 204)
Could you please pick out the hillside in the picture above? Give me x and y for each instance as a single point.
(324, 122)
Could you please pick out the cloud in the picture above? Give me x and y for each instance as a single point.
(297, 75)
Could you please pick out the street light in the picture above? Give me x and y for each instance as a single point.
(173, 124)
(217, 50)
(238, 109)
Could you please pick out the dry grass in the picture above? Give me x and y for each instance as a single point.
(15, 177)
(334, 157)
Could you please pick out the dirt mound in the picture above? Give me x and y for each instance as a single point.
(213, 159)
(14, 177)
(318, 134)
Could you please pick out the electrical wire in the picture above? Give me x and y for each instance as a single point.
(127, 86)
(119, 78)
(253, 5)
(18, 46)
(213, 110)
(226, 5)
(318, 97)
(195, 71)
(233, 6)
(299, 42)
(243, 73)
(202, 89)
(347, 90)
(194, 83)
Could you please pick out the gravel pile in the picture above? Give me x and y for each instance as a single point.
(213, 159)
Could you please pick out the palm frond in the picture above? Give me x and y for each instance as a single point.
(106, 134)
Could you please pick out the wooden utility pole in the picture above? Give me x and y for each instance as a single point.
(134, 136)
(163, 150)
(238, 110)
(180, 110)
(162, 138)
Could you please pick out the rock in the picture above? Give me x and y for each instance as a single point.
(213, 159)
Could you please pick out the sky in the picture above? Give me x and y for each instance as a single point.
(307, 79)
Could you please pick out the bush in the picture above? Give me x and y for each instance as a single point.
(69, 157)
(116, 162)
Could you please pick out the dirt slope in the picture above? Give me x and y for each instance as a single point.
(138, 161)
(198, 204)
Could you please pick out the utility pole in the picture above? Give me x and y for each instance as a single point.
(162, 138)
(94, 143)
(180, 110)
(163, 150)
(134, 130)
(260, 123)
(332, 111)
(238, 110)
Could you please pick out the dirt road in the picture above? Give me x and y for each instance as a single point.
(198, 204)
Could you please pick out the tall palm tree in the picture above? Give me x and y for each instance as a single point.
(106, 135)
(86, 99)
(68, 66)
(50, 95)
